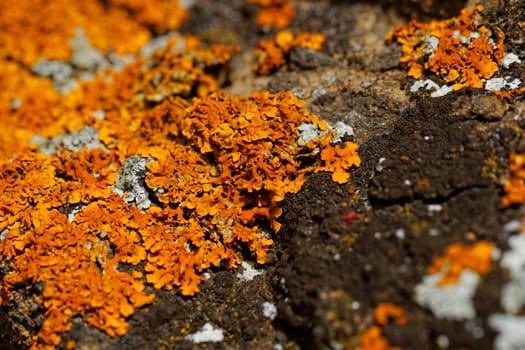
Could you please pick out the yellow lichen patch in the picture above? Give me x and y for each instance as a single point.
(459, 50)
(278, 13)
(459, 257)
(514, 181)
(271, 54)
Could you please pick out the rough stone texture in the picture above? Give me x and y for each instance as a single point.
(324, 274)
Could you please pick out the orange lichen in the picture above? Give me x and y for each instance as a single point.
(386, 311)
(338, 159)
(272, 54)
(44, 246)
(158, 15)
(31, 31)
(278, 13)
(459, 50)
(373, 338)
(459, 257)
(36, 29)
(510, 93)
(206, 209)
(514, 182)
(220, 165)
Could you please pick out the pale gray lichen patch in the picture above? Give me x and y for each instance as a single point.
(510, 329)
(161, 42)
(499, 84)
(248, 272)
(130, 183)
(309, 131)
(100, 115)
(341, 130)
(513, 292)
(299, 92)
(16, 103)
(74, 210)
(428, 85)
(451, 302)
(3, 234)
(86, 137)
(431, 44)
(86, 61)
(207, 334)
(467, 40)
(186, 3)
(60, 72)
(86, 57)
(512, 226)
(509, 59)
(269, 310)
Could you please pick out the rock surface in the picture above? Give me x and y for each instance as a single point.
(430, 176)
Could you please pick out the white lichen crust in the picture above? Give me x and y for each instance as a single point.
(452, 302)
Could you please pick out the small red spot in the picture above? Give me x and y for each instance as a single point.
(350, 216)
